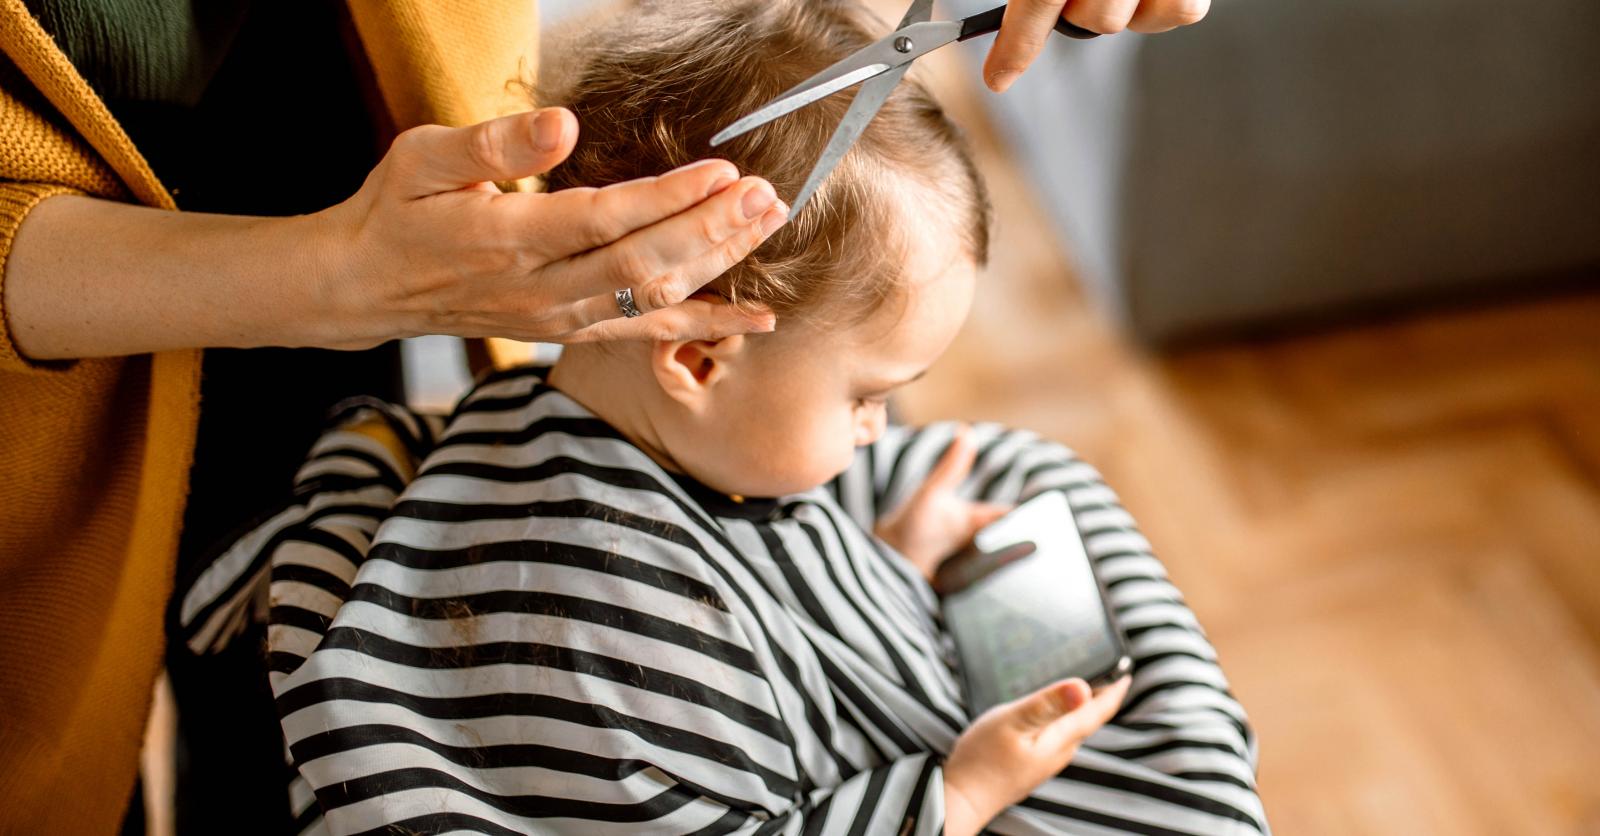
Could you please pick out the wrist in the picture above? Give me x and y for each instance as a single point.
(965, 812)
(893, 534)
(342, 306)
(890, 535)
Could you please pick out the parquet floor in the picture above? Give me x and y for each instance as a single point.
(1391, 530)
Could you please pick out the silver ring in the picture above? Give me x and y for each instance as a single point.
(625, 303)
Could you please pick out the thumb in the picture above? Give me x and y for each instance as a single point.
(1039, 709)
(438, 159)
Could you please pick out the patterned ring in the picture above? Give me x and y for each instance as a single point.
(626, 305)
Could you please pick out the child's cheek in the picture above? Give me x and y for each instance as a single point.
(813, 448)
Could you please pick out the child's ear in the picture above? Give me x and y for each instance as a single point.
(689, 370)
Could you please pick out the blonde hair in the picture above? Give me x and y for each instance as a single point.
(651, 92)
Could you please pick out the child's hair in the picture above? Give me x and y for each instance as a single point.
(650, 95)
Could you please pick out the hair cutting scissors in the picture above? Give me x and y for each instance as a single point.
(878, 69)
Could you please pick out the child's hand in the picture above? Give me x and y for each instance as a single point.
(1013, 748)
(935, 523)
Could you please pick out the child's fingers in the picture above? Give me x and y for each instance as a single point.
(1049, 705)
(1073, 729)
(981, 514)
(955, 465)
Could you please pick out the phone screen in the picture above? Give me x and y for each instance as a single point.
(1022, 620)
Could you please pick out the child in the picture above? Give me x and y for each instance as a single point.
(580, 612)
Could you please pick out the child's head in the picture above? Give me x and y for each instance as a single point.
(870, 281)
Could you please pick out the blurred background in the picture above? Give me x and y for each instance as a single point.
(1317, 285)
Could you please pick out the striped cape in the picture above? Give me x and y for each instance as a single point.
(516, 622)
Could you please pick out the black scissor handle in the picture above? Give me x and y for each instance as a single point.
(1074, 31)
(989, 22)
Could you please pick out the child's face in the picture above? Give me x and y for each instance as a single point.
(782, 413)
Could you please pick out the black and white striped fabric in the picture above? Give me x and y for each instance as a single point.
(519, 623)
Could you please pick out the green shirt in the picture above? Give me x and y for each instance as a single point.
(156, 51)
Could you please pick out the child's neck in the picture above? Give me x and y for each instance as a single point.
(621, 393)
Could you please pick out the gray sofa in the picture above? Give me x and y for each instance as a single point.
(1295, 157)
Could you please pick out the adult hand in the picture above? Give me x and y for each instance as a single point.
(429, 245)
(1028, 24)
(1013, 748)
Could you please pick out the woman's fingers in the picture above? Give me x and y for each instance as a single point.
(1023, 32)
(662, 238)
(573, 221)
(431, 159)
(693, 319)
(666, 263)
(1163, 15)
(1028, 24)
(1107, 17)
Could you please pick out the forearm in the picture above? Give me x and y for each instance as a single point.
(95, 278)
(427, 246)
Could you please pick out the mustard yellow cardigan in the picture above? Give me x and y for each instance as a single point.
(94, 457)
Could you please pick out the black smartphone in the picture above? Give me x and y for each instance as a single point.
(1025, 608)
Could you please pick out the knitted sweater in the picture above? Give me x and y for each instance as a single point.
(94, 455)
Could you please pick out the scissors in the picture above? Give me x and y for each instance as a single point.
(878, 69)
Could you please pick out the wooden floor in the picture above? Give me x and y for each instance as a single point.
(1391, 530)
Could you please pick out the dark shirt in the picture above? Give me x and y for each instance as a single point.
(252, 108)
(144, 50)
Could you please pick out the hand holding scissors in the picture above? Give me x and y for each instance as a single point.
(1028, 23)
(880, 67)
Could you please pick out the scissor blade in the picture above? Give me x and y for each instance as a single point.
(898, 49)
(920, 11)
(841, 76)
(869, 100)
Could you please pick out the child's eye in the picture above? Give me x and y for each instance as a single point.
(875, 401)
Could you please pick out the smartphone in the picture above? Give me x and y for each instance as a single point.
(1025, 608)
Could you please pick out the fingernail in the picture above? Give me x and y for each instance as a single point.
(724, 180)
(775, 219)
(1061, 699)
(547, 130)
(758, 200)
(1002, 81)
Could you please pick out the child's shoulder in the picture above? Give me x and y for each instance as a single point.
(523, 468)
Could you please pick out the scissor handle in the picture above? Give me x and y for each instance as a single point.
(989, 22)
